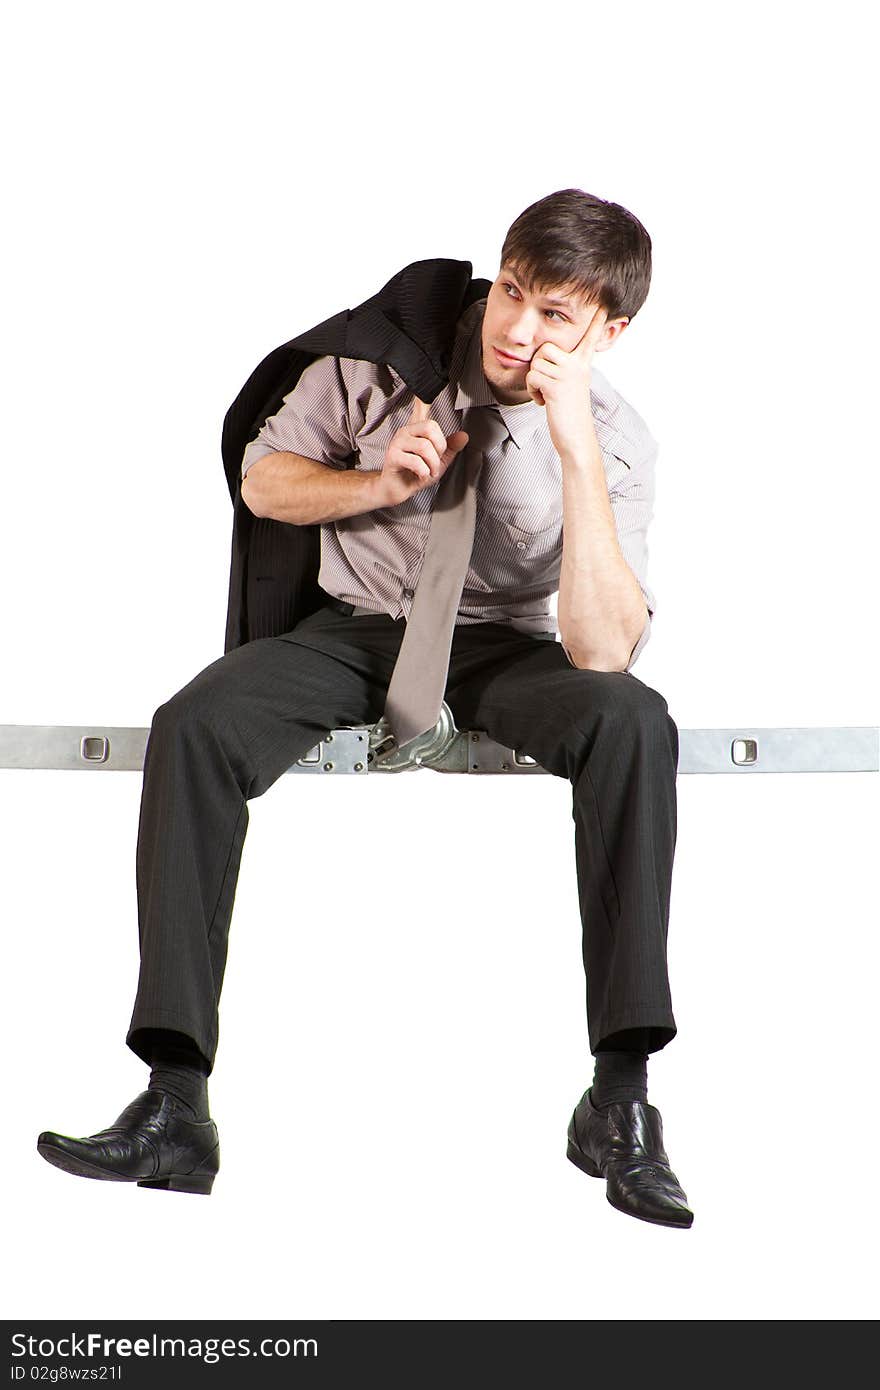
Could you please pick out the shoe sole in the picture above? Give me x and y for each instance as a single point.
(197, 1181)
(182, 1182)
(586, 1165)
(581, 1161)
(653, 1220)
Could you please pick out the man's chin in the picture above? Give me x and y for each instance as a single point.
(507, 395)
(500, 380)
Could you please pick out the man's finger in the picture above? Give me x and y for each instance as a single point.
(594, 330)
(420, 411)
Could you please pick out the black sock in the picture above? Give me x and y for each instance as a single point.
(180, 1070)
(620, 1076)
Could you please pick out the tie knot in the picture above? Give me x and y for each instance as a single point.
(485, 427)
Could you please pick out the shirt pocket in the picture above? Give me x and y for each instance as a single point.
(511, 556)
(532, 540)
(523, 520)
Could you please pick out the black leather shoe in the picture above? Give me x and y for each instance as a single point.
(152, 1143)
(624, 1143)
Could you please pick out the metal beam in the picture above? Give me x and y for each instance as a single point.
(745, 751)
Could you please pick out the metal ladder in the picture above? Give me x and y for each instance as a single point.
(371, 748)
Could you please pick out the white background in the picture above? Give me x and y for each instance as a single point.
(402, 1025)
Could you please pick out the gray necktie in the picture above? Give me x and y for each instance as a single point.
(418, 682)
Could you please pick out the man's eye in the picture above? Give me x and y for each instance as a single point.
(546, 311)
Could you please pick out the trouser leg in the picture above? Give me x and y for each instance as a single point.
(614, 739)
(224, 738)
(625, 814)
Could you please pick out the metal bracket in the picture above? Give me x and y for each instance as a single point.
(445, 748)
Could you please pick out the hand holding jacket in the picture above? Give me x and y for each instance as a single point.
(417, 456)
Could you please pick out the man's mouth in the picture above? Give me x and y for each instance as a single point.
(508, 361)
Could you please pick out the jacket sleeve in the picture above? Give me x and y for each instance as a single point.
(313, 420)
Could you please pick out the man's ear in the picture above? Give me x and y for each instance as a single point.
(610, 334)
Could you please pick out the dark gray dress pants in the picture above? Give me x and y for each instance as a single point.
(245, 719)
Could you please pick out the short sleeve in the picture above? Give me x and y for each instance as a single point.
(632, 502)
(313, 420)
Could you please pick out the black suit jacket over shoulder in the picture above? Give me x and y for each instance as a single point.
(410, 325)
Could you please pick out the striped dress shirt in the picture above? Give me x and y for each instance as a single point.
(342, 408)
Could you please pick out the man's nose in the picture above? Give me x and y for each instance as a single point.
(521, 329)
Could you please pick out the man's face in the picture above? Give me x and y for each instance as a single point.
(518, 323)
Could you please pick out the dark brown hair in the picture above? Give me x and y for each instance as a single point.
(573, 241)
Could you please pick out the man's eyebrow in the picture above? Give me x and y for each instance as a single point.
(562, 303)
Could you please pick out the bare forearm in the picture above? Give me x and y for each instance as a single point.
(288, 487)
(601, 609)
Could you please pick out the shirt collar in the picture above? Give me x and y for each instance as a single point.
(522, 420)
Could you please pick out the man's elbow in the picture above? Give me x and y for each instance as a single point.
(595, 661)
(250, 492)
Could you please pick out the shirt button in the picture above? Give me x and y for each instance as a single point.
(408, 593)
(521, 545)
